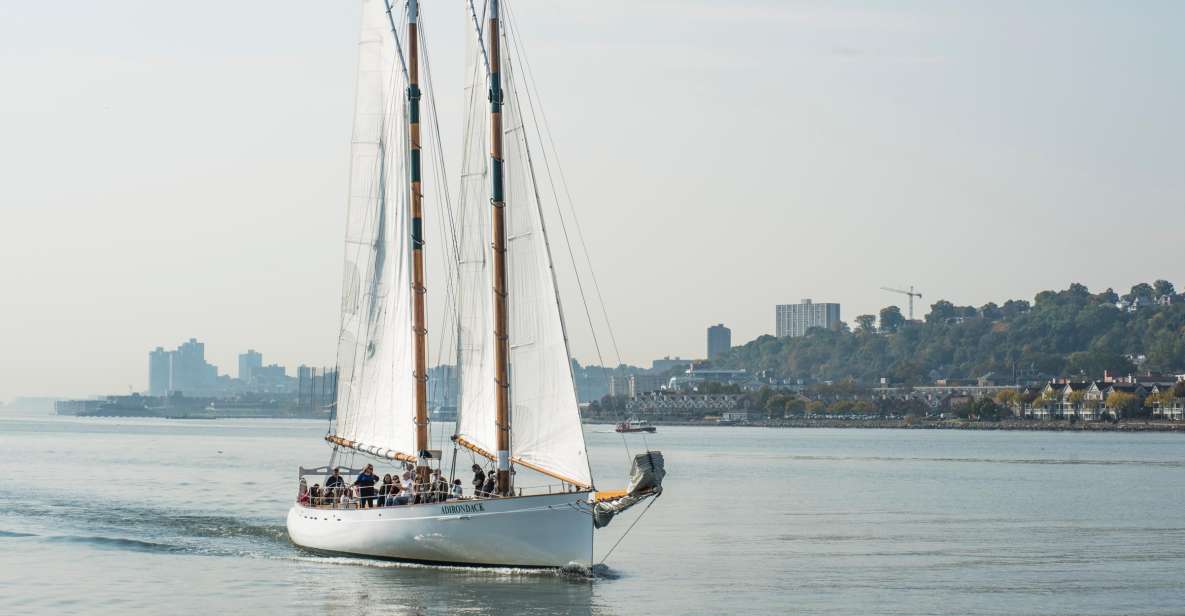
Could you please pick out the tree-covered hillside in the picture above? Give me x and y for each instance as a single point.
(1059, 334)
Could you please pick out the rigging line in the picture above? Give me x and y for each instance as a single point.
(530, 74)
(524, 139)
(547, 166)
(395, 34)
(447, 231)
(512, 25)
(627, 531)
(478, 23)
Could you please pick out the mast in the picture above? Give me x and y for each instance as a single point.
(501, 317)
(417, 239)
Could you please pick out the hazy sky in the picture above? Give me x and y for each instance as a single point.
(170, 170)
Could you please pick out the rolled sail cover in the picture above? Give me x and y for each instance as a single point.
(646, 474)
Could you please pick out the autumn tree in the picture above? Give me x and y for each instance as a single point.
(1122, 403)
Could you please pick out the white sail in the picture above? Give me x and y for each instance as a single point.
(376, 385)
(475, 335)
(545, 418)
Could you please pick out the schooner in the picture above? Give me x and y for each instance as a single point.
(517, 407)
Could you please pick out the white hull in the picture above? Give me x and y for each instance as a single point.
(553, 530)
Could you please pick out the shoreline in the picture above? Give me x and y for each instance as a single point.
(944, 424)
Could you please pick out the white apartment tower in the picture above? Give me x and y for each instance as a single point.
(794, 319)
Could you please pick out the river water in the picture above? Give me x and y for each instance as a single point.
(111, 516)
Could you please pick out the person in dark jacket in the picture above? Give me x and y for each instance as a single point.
(491, 484)
(479, 480)
(365, 482)
(336, 480)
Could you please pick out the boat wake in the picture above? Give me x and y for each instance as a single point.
(571, 572)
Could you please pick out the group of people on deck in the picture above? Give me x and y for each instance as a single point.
(368, 490)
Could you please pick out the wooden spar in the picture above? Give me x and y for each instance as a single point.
(501, 317)
(539, 469)
(374, 451)
(417, 238)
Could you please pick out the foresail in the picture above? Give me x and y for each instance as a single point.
(475, 335)
(376, 385)
(546, 433)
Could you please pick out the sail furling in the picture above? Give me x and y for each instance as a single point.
(376, 383)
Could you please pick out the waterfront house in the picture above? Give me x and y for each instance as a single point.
(1040, 408)
(1173, 409)
(1073, 394)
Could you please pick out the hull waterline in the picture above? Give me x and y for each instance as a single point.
(553, 530)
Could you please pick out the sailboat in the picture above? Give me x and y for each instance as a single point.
(517, 406)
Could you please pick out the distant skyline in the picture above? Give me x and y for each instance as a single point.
(173, 173)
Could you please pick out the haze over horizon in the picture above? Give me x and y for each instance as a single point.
(173, 173)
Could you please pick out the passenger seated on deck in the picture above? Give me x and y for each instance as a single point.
(365, 485)
(397, 496)
(302, 493)
(458, 491)
(479, 480)
(315, 495)
(408, 483)
(440, 489)
(385, 490)
(348, 499)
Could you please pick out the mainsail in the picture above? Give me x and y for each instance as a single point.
(545, 421)
(376, 384)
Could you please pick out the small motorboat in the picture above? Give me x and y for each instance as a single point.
(635, 425)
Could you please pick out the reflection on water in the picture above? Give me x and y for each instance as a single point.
(403, 589)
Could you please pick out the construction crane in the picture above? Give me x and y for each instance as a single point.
(911, 295)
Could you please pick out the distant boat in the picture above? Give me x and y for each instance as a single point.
(511, 343)
(635, 425)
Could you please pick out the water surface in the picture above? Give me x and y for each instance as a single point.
(106, 516)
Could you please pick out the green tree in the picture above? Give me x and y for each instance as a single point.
(986, 410)
(891, 319)
(941, 311)
(1015, 307)
(1163, 287)
(867, 323)
(1142, 291)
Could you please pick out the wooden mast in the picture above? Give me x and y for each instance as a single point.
(417, 238)
(501, 317)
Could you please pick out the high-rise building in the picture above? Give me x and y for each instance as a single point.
(619, 386)
(794, 319)
(190, 371)
(249, 362)
(719, 340)
(160, 364)
(645, 383)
